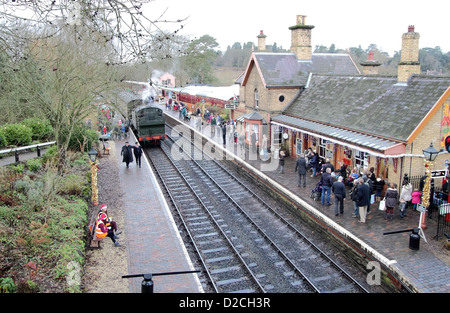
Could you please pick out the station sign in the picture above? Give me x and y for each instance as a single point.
(421, 208)
(438, 173)
(232, 104)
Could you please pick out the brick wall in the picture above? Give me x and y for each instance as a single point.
(409, 59)
(301, 43)
(432, 133)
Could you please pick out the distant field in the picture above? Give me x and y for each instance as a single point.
(226, 76)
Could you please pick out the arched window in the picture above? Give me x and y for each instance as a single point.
(256, 98)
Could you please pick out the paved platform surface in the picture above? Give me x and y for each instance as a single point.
(153, 241)
(421, 269)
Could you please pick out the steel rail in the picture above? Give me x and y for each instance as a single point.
(296, 231)
(302, 275)
(283, 220)
(244, 264)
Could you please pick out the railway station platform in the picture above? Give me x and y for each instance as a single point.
(424, 271)
(152, 238)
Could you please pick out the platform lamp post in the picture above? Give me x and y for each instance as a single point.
(430, 155)
(93, 157)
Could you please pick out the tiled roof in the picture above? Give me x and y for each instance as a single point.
(285, 70)
(254, 116)
(330, 63)
(375, 105)
(281, 69)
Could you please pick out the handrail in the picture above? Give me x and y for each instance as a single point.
(27, 147)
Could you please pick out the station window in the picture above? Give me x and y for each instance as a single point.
(281, 98)
(324, 150)
(361, 160)
(256, 98)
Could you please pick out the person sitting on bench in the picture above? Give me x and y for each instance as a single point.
(101, 231)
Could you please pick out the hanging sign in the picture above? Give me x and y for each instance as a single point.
(438, 173)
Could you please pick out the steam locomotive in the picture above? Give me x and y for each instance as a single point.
(147, 122)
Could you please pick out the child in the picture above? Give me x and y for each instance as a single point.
(402, 208)
(416, 195)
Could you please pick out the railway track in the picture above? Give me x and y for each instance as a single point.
(243, 244)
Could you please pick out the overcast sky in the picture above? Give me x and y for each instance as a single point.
(346, 23)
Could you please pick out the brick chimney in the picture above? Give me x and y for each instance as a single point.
(301, 39)
(409, 60)
(370, 67)
(261, 41)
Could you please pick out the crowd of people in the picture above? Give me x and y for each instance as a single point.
(218, 125)
(361, 185)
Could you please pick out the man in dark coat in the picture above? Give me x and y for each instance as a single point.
(363, 199)
(301, 168)
(137, 149)
(338, 189)
(127, 154)
(328, 165)
(314, 163)
(224, 133)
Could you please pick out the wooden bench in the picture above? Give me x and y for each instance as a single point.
(106, 148)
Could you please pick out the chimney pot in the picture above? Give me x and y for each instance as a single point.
(411, 29)
(371, 56)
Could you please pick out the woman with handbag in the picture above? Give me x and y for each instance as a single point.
(391, 201)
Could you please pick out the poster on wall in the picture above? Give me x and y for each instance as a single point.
(299, 146)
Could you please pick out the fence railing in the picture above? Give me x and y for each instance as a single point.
(439, 208)
(443, 225)
(17, 151)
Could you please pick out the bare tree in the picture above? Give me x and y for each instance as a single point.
(122, 23)
(58, 57)
(62, 81)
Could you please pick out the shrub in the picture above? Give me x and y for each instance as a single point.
(51, 155)
(72, 185)
(17, 134)
(18, 168)
(43, 219)
(22, 185)
(3, 142)
(8, 216)
(41, 129)
(34, 164)
(7, 285)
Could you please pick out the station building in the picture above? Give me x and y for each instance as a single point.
(364, 120)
